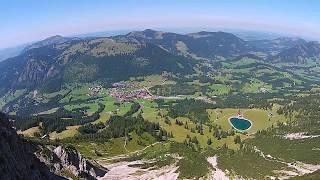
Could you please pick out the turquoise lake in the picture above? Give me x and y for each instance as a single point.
(240, 123)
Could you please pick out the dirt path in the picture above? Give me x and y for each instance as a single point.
(169, 97)
(217, 174)
(297, 168)
(125, 144)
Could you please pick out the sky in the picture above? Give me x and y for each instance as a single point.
(23, 21)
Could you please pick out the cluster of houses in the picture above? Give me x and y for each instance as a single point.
(122, 85)
(95, 90)
(122, 94)
(125, 96)
(264, 90)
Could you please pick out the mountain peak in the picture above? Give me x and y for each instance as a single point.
(150, 31)
(300, 52)
(314, 43)
(218, 34)
(56, 39)
(290, 40)
(147, 33)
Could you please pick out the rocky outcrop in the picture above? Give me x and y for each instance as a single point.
(21, 159)
(17, 159)
(66, 160)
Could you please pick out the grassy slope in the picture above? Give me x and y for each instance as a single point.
(113, 147)
(247, 164)
(290, 150)
(259, 118)
(30, 132)
(180, 133)
(69, 132)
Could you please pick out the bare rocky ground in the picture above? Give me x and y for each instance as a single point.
(217, 174)
(132, 171)
(119, 168)
(300, 135)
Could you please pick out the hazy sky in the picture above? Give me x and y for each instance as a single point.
(28, 20)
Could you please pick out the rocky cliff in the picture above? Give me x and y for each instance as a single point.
(21, 159)
(17, 160)
(68, 161)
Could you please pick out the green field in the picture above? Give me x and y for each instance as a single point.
(260, 118)
(113, 147)
(70, 131)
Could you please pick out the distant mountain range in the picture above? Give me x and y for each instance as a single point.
(87, 60)
(202, 44)
(213, 45)
(273, 47)
(11, 52)
(49, 41)
(300, 53)
(58, 60)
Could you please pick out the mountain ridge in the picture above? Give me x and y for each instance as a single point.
(300, 53)
(214, 44)
(58, 60)
(82, 61)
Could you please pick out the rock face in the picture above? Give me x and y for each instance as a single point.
(63, 160)
(17, 160)
(21, 159)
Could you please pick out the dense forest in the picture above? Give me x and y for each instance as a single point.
(120, 126)
(191, 108)
(304, 115)
(57, 121)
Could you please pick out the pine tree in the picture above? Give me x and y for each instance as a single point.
(237, 139)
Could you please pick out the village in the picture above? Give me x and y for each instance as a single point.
(122, 94)
(126, 91)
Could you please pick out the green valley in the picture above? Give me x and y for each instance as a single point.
(142, 103)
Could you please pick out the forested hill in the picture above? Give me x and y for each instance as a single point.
(300, 53)
(100, 59)
(56, 61)
(223, 45)
(201, 44)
